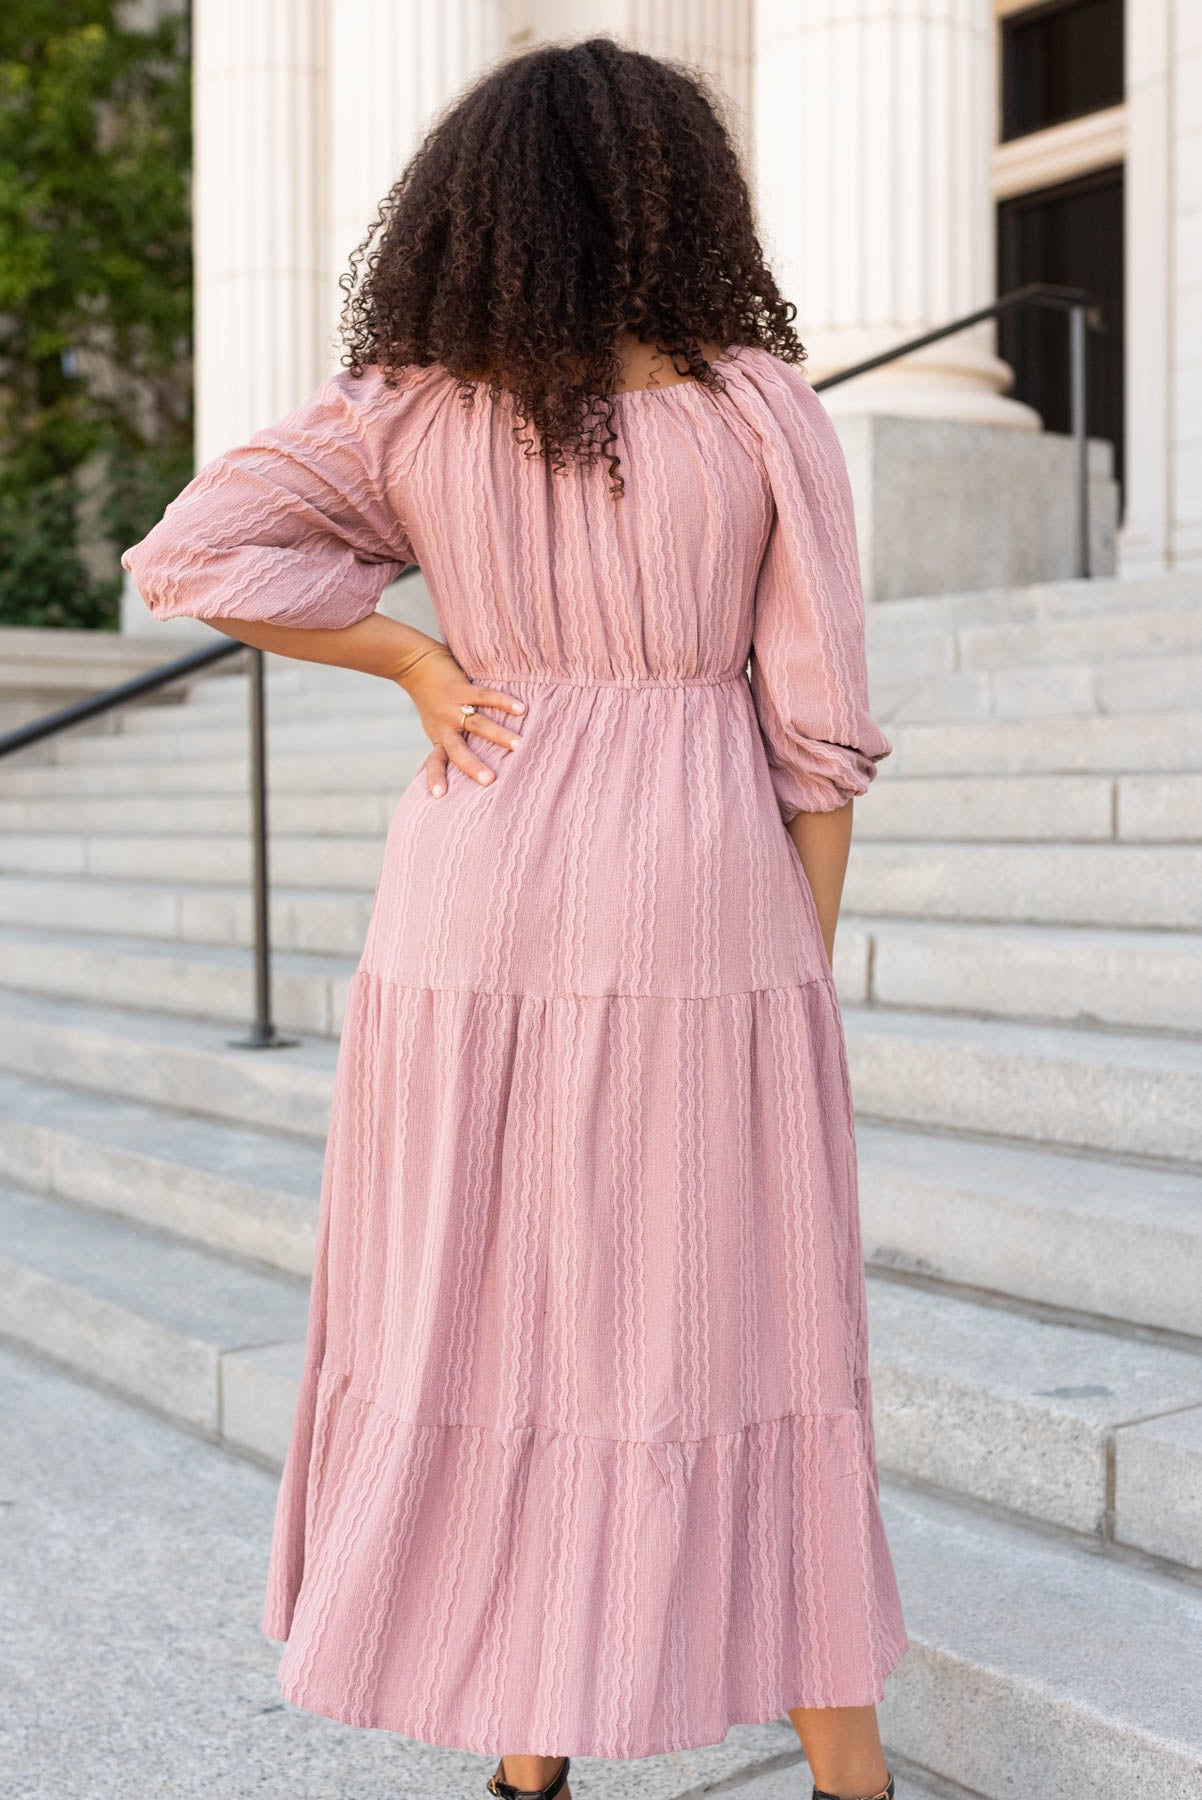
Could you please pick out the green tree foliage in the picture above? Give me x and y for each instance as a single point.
(95, 298)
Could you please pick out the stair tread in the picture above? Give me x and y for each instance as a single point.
(235, 1153)
(1055, 936)
(1159, 1052)
(1074, 597)
(187, 1291)
(231, 956)
(1030, 1414)
(1045, 1180)
(1098, 1378)
(196, 1036)
(1153, 1053)
(1109, 1646)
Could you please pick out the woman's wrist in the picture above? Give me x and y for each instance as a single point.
(416, 657)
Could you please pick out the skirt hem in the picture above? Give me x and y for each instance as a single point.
(501, 1746)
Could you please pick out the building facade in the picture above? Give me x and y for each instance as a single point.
(910, 161)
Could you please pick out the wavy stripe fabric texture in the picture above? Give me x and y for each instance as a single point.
(582, 1461)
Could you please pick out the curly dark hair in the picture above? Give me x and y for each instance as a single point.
(573, 193)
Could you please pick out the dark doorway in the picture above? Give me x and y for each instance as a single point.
(1071, 234)
(1060, 61)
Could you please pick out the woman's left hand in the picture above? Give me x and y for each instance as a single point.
(438, 688)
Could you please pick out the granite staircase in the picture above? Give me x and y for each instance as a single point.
(1020, 961)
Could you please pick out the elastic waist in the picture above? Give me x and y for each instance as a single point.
(500, 677)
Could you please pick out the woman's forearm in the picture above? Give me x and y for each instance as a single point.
(823, 841)
(377, 645)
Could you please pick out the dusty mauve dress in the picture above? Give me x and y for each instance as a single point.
(582, 1461)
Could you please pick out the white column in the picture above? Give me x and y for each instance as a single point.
(393, 64)
(875, 122)
(1186, 513)
(260, 154)
(1162, 526)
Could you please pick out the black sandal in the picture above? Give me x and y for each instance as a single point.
(506, 1791)
(886, 1793)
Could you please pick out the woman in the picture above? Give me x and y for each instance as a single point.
(582, 1459)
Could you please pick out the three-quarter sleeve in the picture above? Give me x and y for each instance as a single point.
(808, 667)
(297, 526)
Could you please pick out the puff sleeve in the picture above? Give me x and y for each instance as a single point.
(297, 526)
(808, 668)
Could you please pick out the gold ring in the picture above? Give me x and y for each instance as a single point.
(464, 710)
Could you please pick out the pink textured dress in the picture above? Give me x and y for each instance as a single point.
(582, 1460)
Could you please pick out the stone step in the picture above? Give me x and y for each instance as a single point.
(1158, 1470)
(1091, 638)
(158, 1060)
(1138, 743)
(1074, 975)
(1119, 1241)
(1055, 693)
(1036, 1669)
(1074, 598)
(1095, 746)
(180, 1331)
(1137, 746)
(953, 1380)
(249, 1194)
(1116, 1093)
(334, 771)
(1066, 973)
(897, 618)
(1115, 1241)
(1070, 808)
(319, 920)
(1024, 1414)
(349, 863)
(210, 815)
(197, 981)
(185, 739)
(1146, 980)
(1022, 808)
(1110, 1092)
(888, 886)
(974, 809)
(1123, 885)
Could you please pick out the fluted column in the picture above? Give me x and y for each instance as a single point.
(259, 208)
(393, 64)
(875, 121)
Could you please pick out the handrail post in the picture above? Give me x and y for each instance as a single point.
(263, 1034)
(1077, 397)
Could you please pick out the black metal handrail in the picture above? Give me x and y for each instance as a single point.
(93, 705)
(263, 1033)
(1083, 312)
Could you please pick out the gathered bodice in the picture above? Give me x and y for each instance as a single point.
(691, 653)
(552, 575)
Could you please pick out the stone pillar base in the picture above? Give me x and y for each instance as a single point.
(944, 507)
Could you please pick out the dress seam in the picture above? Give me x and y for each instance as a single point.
(433, 987)
(322, 1368)
(490, 676)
